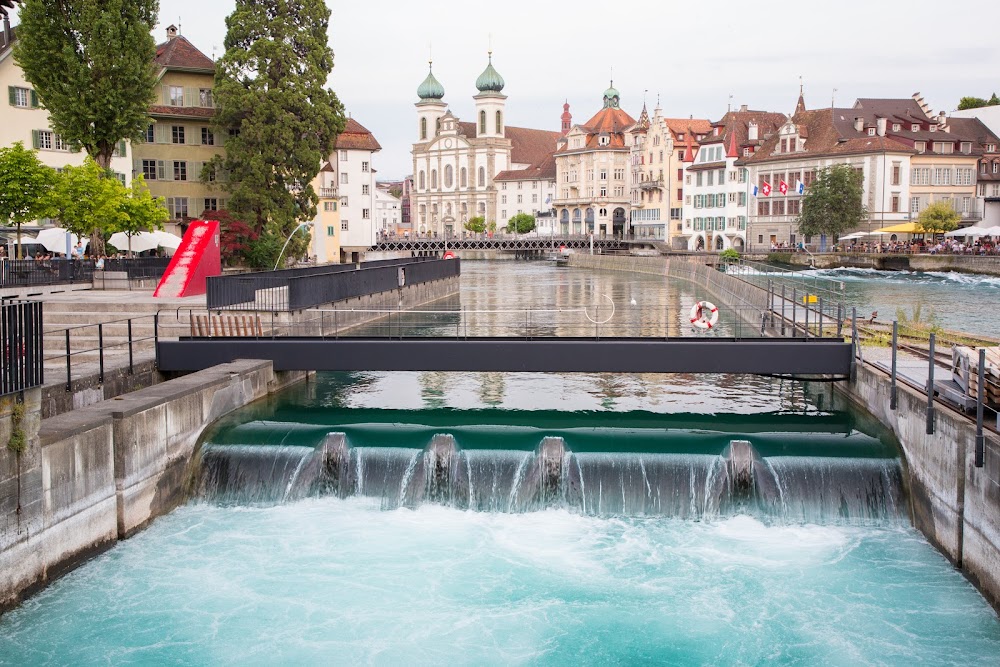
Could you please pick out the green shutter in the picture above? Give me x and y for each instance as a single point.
(34, 99)
(122, 148)
(34, 139)
(13, 97)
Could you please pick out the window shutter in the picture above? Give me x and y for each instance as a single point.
(170, 206)
(13, 97)
(190, 97)
(161, 133)
(34, 139)
(122, 148)
(34, 99)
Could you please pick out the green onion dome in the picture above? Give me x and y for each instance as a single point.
(431, 88)
(490, 80)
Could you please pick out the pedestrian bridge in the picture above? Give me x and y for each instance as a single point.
(511, 244)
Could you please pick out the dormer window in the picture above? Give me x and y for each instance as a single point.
(871, 131)
(934, 128)
(896, 127)
(680, 136)
(915, 127)
(603, 140)
(991, 148)
(966, 147)
(746, 152)
(921, 146)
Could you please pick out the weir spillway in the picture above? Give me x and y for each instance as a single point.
(737, 480)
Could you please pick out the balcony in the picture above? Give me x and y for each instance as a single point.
(971, 216)
(328, 193)
(652, 184)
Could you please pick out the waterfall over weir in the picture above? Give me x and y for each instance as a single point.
(687, 486)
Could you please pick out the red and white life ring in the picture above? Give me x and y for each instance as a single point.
(448, 255)
(704, 315)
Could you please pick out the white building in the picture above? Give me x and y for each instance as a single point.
(352, 161)
(456, 164)
(388, 213)
(24, 119)
(530, 191)
(716, 191)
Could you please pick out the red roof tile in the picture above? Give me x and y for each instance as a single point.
(544, 171)
(356, 137)
(179, 53)
(528, 146)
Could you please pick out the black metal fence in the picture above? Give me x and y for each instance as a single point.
(20, 346)
(299, 289)
(31, 272)
(139, 267)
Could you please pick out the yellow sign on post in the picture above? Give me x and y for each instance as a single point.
(809, 298)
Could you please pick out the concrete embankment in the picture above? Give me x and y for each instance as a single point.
(887, 262)
(95, 475)
(954, 504)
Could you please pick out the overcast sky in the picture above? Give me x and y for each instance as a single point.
(694, 56)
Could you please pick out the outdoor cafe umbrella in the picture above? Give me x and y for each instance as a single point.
(144, 241)
(855, 235)
(969, 231)
(54, 239)
(992, 231)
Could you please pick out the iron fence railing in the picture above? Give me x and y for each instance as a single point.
(115, 343)
(299, 289)
(20, 346)
(138, 267)
(33, 272)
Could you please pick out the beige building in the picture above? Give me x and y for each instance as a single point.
(659, 147)
(326, 232)
(181, 139)
(593, 173)
(24, 119)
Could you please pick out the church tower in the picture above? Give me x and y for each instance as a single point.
(490, 103)
(431, 106)
(567, 119)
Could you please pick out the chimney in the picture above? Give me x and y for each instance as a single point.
(942, 118)
(752, 131)
(6, 30)
(171, 32)
(859, 124)
(743, 108)
(880, 123)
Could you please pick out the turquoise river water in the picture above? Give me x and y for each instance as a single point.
(435, 538)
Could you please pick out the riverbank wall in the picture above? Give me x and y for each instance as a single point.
(954, 504)
(989, 266)
(95, 475)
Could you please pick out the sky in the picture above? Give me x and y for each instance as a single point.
(693, 59)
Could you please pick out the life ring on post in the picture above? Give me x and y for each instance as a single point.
(448, 255)
(704, 315)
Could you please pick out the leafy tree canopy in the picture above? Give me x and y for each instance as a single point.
(522, 223)
(476, 225)
(977, 102)
(833, 203)
(87, 203)
(939, 217)
(270, 91)
(91, 63)
(236, 237)
(141, 211)
(25, 184)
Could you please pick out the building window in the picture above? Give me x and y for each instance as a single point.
(499, 122)
(329, 206)
(423, 129)
(963, 176)
(482, 122)
(343, 202)
(871, 131)
(180, 170)
(604, 191)
(175, 96)
(449, 176)
(23, 97)
(343, 225)
(464, 178)
(330, 230)
(942, 176)
(207, 137)
(177, 134)
(897, 171)
(366, 214)
(180, 208)
(364, 167)
(914, 205)
(205, 97)
(211, 204)
(422, 181)
(896, 127)
(149, 170)
(920, 146)
(343, 178)
(482, 177)
(365, 189)
(434, 179)
(920, 176)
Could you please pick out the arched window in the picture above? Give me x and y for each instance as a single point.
(449, 176)
(482, 122)
(465, 210)
(499, 122)
(576, 215)
(464, 178)
(434, 179)
(565, 215)
(423, 129)
(482, 208)
(482, 177)
(423, 212)
(590, 215)
(422, 180)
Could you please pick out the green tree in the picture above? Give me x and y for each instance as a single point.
(141, 212)
(25, 184)
(476, 225)
(88, 203)
(971, 103)
(833, 203)
(91, 63)
(281, 120)
(939, 217)
(522, 223)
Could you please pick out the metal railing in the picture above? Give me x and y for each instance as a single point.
(20, 346)
(139, 267)
(114, 340)
(299, 289)
(32, 272)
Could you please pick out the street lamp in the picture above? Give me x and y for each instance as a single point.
(289, 240)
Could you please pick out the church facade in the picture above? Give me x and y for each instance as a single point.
(456, 164)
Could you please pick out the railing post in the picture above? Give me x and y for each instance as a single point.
(795, 315)
(100, 351)
(840, 320)
(131, 371)
(821, 317)
(980, 438)
(930, 388)
(782, 310)
(854, 343)
(893, 395)
(807, 315)
(770, 301)
(69, 376)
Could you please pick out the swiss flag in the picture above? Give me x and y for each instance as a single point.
(766, 189)
(783, 187)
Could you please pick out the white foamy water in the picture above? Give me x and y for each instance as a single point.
(340, 582)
